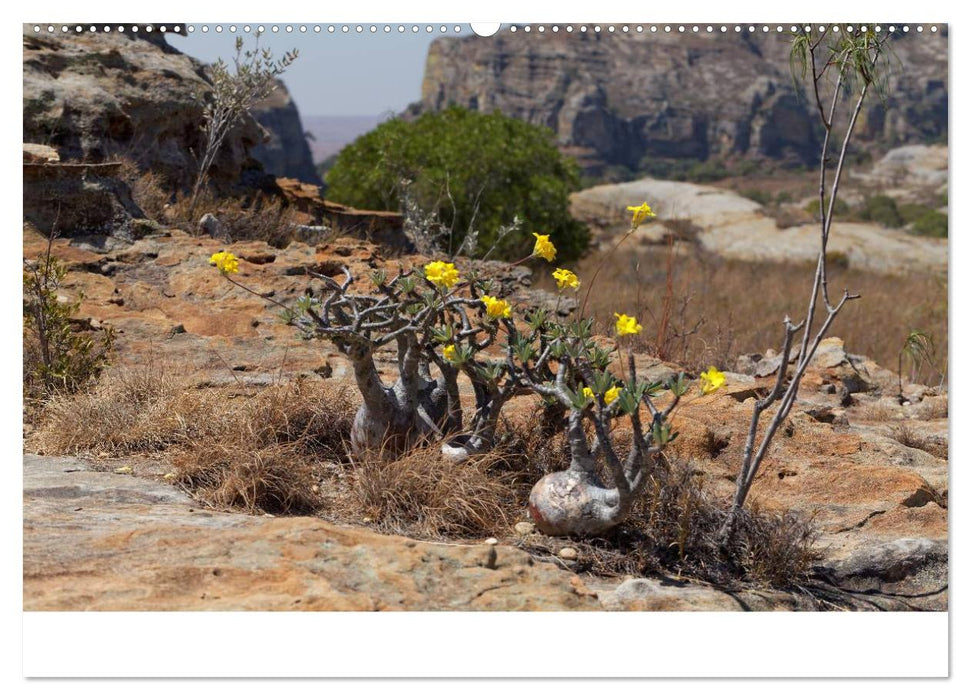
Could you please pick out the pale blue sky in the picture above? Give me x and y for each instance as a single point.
(336, 74)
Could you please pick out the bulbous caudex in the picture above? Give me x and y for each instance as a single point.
(576, 501)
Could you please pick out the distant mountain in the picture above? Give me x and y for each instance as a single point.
(632, 100)
(286, 153)
(332, 133)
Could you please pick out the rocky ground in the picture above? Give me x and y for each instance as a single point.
(734, 226)
(871, 467)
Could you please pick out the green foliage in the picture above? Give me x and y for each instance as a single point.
(234, 92)
(684, 169)
(924, 220)
(883, 210)
(476, 171)
(57, 355)
(841, 208)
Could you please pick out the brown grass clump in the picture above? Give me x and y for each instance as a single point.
(259, 218)
(130, 411)
(716, 309)
(673, 529)
(148, 189)
(908, 437)
(260, 450)
(422, 494)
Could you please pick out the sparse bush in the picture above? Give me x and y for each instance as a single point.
(881, 209)
(59, 355)
(930, 223)
(476, 171)
(234, 93)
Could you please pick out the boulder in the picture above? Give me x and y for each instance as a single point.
(285, 152)
(97, 96)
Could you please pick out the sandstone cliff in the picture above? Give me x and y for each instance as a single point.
(97, 97)
(616, 99)
(286, 152)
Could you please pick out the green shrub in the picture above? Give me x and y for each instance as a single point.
(931, 223)
(756, 195)
(883, 210)
(841, 208)
(58, 354)
(476, 171)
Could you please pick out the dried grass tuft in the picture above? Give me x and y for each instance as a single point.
(424, 495)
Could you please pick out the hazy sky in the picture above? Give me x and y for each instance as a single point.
(336, 74)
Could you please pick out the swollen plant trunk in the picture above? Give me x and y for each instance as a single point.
(575, 501)
(393, 419)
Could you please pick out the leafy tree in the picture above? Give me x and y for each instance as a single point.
(476, 172)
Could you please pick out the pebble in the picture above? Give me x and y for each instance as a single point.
(568, 553)
(492, 541)
(123, 470)
(524, 528)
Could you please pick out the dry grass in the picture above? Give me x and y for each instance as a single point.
(147, 188)
(740, 306)
(281, 450)
(908, 437)
(423, 495)
(258, 218)
(673, 529)
(259, 450)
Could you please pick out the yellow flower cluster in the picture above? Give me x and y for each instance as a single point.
(442, 273)
(496, 308)
(450, 354)
(627, 325)
(544, 248)
(565, 278)
(711, 380)
(640, 213)
(225, 262)
(612, 394)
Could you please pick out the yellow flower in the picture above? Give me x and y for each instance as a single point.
(565, 278)
(543, 248)
(587, 392)
(613, 393)
(225, 262)
(711, 380)
(627, 325)
(441, 273)
(639, 214)
(450, 354)
(496, 308)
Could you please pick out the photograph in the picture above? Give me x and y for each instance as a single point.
(618, 317)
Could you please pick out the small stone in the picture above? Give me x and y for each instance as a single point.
(169, 477)
(123, 470)
(568, 553)
(210, 226)
(524, 528)
(315, 488)
(492, 541)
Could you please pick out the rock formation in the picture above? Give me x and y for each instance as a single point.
(286, 152)
(98, 97)
(617, 99)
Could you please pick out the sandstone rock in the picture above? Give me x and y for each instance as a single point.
(101, 541)
(286, 152)
(651, 595)
(78, 199)
(734, 227)
(618, 99)
(36, 153)
(96, 96)
(210, 226)
(524, 528)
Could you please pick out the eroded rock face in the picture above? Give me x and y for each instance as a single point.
(286, 152)
(614, 99)
(96, 97)
(106, 541)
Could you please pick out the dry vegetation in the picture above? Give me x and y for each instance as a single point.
(281, 450)
(718, 309)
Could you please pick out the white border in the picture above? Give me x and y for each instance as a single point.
(480, 644)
